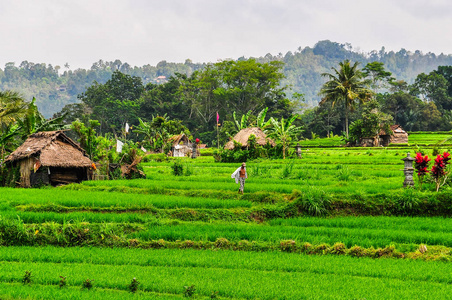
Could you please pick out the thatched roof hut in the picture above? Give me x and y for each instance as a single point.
(50, 158)
(181, 145)
(398, 136)
(243, 135)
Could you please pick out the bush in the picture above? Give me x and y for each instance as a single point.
(133, 286)
(27, 277)
(314, 202)
(87, 284)
(189, 291)
(288, 245)
(287, 169)
(238, 154)
(407, 203)
(9, 176)
(338, 249)
(178, 168)
(356, 251)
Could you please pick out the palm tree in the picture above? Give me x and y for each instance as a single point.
(283, 131)
(346, 85)
(12, 108)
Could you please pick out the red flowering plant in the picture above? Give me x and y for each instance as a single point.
(197, 141)
(439, 169)
(421, 164)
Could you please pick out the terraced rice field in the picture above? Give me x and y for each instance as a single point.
(336, 224)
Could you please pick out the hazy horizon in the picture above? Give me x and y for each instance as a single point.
(142, 32)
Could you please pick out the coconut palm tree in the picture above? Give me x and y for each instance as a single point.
(283, 131)
(346, 86)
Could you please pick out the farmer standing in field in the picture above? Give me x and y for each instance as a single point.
(240, 175)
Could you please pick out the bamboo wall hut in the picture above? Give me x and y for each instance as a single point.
(50, 158)
(181, 146)
(243, 135)
(398, 136)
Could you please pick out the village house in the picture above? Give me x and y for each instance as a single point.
(383, 139)
(181, 146)
(50, 157)
(243, 136)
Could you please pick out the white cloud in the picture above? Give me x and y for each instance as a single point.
(142, 31)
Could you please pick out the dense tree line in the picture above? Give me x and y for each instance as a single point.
(56, 86)
(424, 105)
(222, 88)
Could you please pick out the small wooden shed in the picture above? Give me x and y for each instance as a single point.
(181, 145)
(243, 135)
(398, 136)
(50, 157)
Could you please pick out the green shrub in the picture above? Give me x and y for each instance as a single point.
(222, 243)
(407, 203)
(287, 169)
(87, 284)
(343, 173)
(338, 249)
(178, 168)
(314, 202)
(27, 277)
(133, 286)
(288, 245)
(189, 291)
(9, 175)
(319, 249)
(356, 251)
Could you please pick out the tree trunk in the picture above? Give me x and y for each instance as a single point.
(284, 150)
(346, 122)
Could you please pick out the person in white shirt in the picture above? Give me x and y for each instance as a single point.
(240, 175)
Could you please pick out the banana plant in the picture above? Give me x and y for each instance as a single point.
(34, 121)
(260, 122)
(283, 131)
(243, 122)
(7, 139)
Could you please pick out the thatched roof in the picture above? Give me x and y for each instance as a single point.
(176, 139)
(243, 135)
(396, 129)
(53, 149)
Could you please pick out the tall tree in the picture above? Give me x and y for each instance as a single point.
(433, 88)
(115, 102)
(379, 77)
(249, 85)
(346, 86)
(199, 93)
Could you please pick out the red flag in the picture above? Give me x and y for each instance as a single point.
(218, 117)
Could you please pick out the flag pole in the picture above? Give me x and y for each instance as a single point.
(218, 137)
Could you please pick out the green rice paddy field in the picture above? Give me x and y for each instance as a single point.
(335, 224)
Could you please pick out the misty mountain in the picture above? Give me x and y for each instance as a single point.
(55, 86)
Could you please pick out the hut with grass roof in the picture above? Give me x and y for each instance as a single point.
(396, 136)
(181, 145)
(243, 136)
(50, 157)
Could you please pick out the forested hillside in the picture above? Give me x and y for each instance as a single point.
(56, 86)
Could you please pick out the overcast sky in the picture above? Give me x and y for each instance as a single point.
(80, 32)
